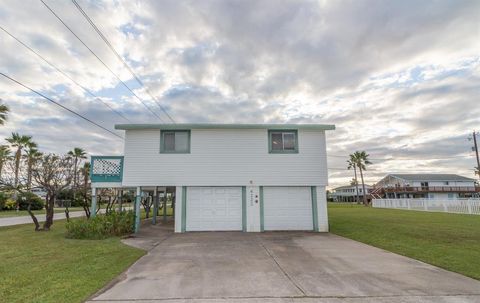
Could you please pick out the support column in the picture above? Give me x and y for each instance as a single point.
(155, 205)
(165, 205)
(138, 197)
(93, 209)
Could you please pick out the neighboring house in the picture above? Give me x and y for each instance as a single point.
(39, 191)
(245, 177)
(432, 186)
(349, 193)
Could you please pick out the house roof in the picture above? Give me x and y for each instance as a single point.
(431, 177)
(172, 126)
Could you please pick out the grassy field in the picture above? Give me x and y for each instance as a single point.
(46, 267)
(449, 241)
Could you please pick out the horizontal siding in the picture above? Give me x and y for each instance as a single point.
(224, 158)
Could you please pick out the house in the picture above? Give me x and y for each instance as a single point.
(244, 177)
(349, 193)
(432, 186)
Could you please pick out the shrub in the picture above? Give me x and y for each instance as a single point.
(3, 200)
(27, 197)
(102, 226)
(10, 204)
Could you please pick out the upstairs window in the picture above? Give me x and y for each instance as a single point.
(283, 141)
(175, 141)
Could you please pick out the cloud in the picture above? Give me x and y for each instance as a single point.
(400, 79)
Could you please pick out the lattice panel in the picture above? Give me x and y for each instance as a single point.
(107, 167)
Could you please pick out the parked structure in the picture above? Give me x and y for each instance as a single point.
(349, 193)
(431, 186)
(246, 177)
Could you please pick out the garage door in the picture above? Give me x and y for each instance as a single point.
(214, 208)
(287, 208)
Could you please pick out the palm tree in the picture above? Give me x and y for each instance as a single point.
(351, 164)
(32, 155)
(19, 142)
(361, 161)
(3, 113)
(4, 156)
(77, 153)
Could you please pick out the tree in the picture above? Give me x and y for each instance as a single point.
(32, 155)
(360, 158)
(19, 142)
(85, 172)
(54, 173)
(3, 113)
(351, 164)
(5, 155)
(76, 153)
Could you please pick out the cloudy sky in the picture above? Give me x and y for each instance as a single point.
(399, 79)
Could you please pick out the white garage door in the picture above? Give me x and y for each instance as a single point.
(287, 208)
(214, 208)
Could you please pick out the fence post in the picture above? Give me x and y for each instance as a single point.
(469, 206)
(425, 204)
(445, 209)
(408, 203)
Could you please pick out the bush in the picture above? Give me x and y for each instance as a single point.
(27, 197)
(102, 226)
(10, 204)
(3, 200)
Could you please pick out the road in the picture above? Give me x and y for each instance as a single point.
(41, 218)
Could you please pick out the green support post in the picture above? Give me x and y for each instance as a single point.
(155, 206)
(165, 206)
(93, 209)
(137, 209)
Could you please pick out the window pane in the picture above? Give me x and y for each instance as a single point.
(277, 142)
(288, 141)
(181, 141)
(169, 141)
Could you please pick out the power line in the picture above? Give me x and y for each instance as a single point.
(62, 106)
(64, 74)
(404, 158)
(104, 64)
(102, 36)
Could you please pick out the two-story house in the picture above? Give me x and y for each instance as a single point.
(245, 177)
(432, 186)
(348, 193)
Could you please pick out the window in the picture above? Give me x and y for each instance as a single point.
(445, 183)
(283, 141)
(175, 141)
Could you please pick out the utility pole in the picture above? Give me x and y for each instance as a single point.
(475, 147)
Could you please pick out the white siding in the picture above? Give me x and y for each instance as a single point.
(231, 157)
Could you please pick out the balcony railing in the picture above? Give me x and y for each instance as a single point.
(106, 169)
(425, 189)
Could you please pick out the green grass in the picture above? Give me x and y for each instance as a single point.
(450, 241)
(46, 267)
(13, 213)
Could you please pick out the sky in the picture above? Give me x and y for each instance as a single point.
(399, 79)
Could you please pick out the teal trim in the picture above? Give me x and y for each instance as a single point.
(106, 177)
(262, 215)
(273, 131)
(184, 209)
(93, 209)
(244, 208)
(314, 208)
(162, 141)
(138, 198)
(171, 126)
(165, 206)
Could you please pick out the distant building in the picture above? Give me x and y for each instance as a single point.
(349, 193)
(432, 186)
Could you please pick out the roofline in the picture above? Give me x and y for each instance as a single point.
(172, 126)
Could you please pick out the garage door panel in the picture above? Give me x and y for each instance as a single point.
(287, 208)
(214, 208)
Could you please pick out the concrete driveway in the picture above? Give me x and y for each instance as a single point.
(278, 267)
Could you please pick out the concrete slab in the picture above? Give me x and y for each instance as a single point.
(279, 267)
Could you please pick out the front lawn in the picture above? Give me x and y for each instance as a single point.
(450, 241)
(46, 267)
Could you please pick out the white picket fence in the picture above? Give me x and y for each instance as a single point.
(458, 206)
